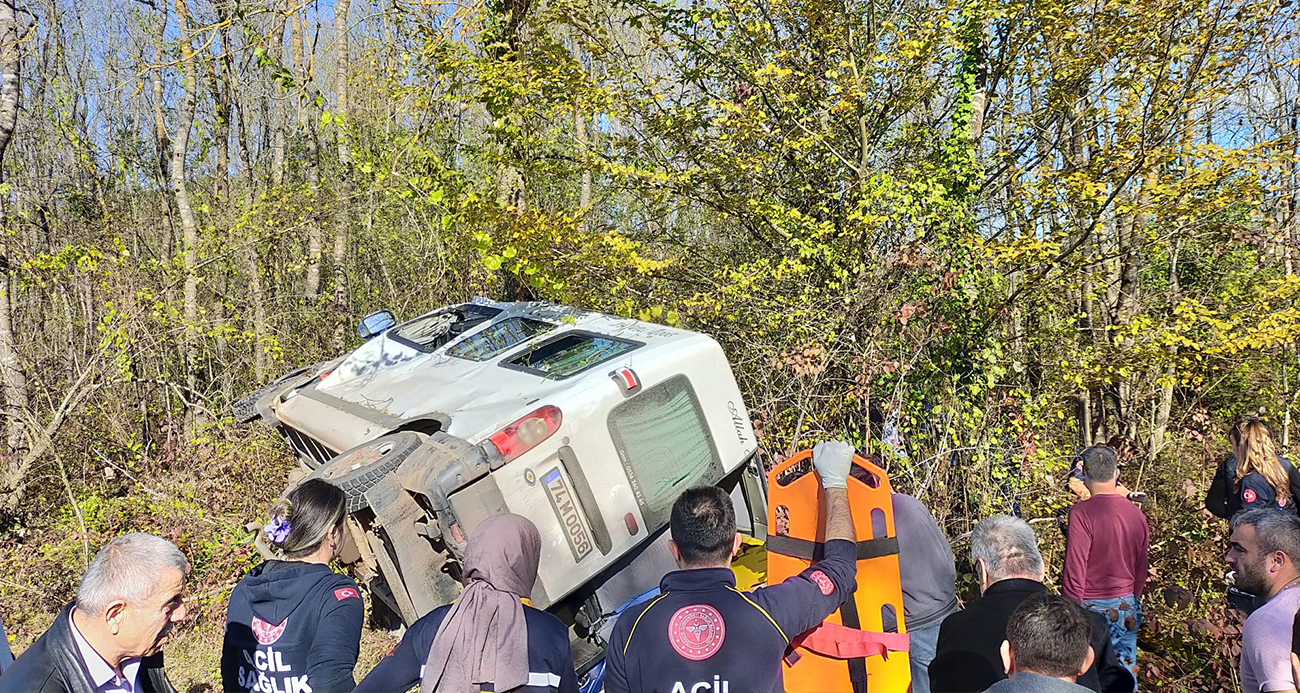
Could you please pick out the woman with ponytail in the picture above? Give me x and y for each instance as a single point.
(293, 625)
(491, 638)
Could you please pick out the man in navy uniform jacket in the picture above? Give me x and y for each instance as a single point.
(701, 634)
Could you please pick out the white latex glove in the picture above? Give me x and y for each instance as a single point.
(832, 459)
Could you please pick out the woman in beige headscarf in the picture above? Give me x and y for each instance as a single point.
(490, 638)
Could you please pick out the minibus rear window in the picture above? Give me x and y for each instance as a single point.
(570, 354)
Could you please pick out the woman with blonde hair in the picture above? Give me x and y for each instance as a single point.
(1225, 495)
(1262, 476)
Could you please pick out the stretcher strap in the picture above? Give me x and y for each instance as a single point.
(857, 663)
(814, 550)
(840, 642)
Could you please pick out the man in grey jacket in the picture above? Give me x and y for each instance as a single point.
(1047, 647)
(928, 574)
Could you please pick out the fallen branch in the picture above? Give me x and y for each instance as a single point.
(13, 487)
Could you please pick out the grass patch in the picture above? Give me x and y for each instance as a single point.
(200, 501)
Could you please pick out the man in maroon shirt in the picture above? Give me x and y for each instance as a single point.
(1106, 553)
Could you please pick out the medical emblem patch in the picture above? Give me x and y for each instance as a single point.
(696, 632)
(823, 583)
(266, 633)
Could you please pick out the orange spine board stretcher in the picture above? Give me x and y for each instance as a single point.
(862, 647)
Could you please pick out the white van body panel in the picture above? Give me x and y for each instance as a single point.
(578, 485)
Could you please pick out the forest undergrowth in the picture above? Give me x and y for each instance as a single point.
(199, 495)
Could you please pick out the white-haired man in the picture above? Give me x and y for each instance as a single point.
(1009, 570)
(110, 639)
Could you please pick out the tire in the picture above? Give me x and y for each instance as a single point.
(359, 469)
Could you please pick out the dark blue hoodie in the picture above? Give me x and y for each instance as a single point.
(1256, 492)
(550, 661)
(292, 627)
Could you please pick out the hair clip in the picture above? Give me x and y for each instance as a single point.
(277, 529)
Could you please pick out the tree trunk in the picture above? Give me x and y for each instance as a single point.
(505, 18)
(252, 260)
(279, 117)
(979, 101)
(343, 202)
(11, 371)
(253, 266)
(221, 191)
(160, 133)
(584, 155)
(312, 146)
(1075, 157)
(1084, 414)
(967, 117)
(1166, 403)
(221, 132)
(1291, 234)
(189, 227)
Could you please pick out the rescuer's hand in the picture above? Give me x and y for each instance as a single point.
(832, 459)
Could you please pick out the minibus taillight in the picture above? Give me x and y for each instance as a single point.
(526, 433)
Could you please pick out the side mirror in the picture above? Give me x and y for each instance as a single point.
(376, 324)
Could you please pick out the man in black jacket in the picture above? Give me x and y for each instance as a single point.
(110, 639)
(1009, 569)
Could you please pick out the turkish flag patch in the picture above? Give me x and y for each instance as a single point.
(1248, 495)
(823, 583)
(346, 593)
